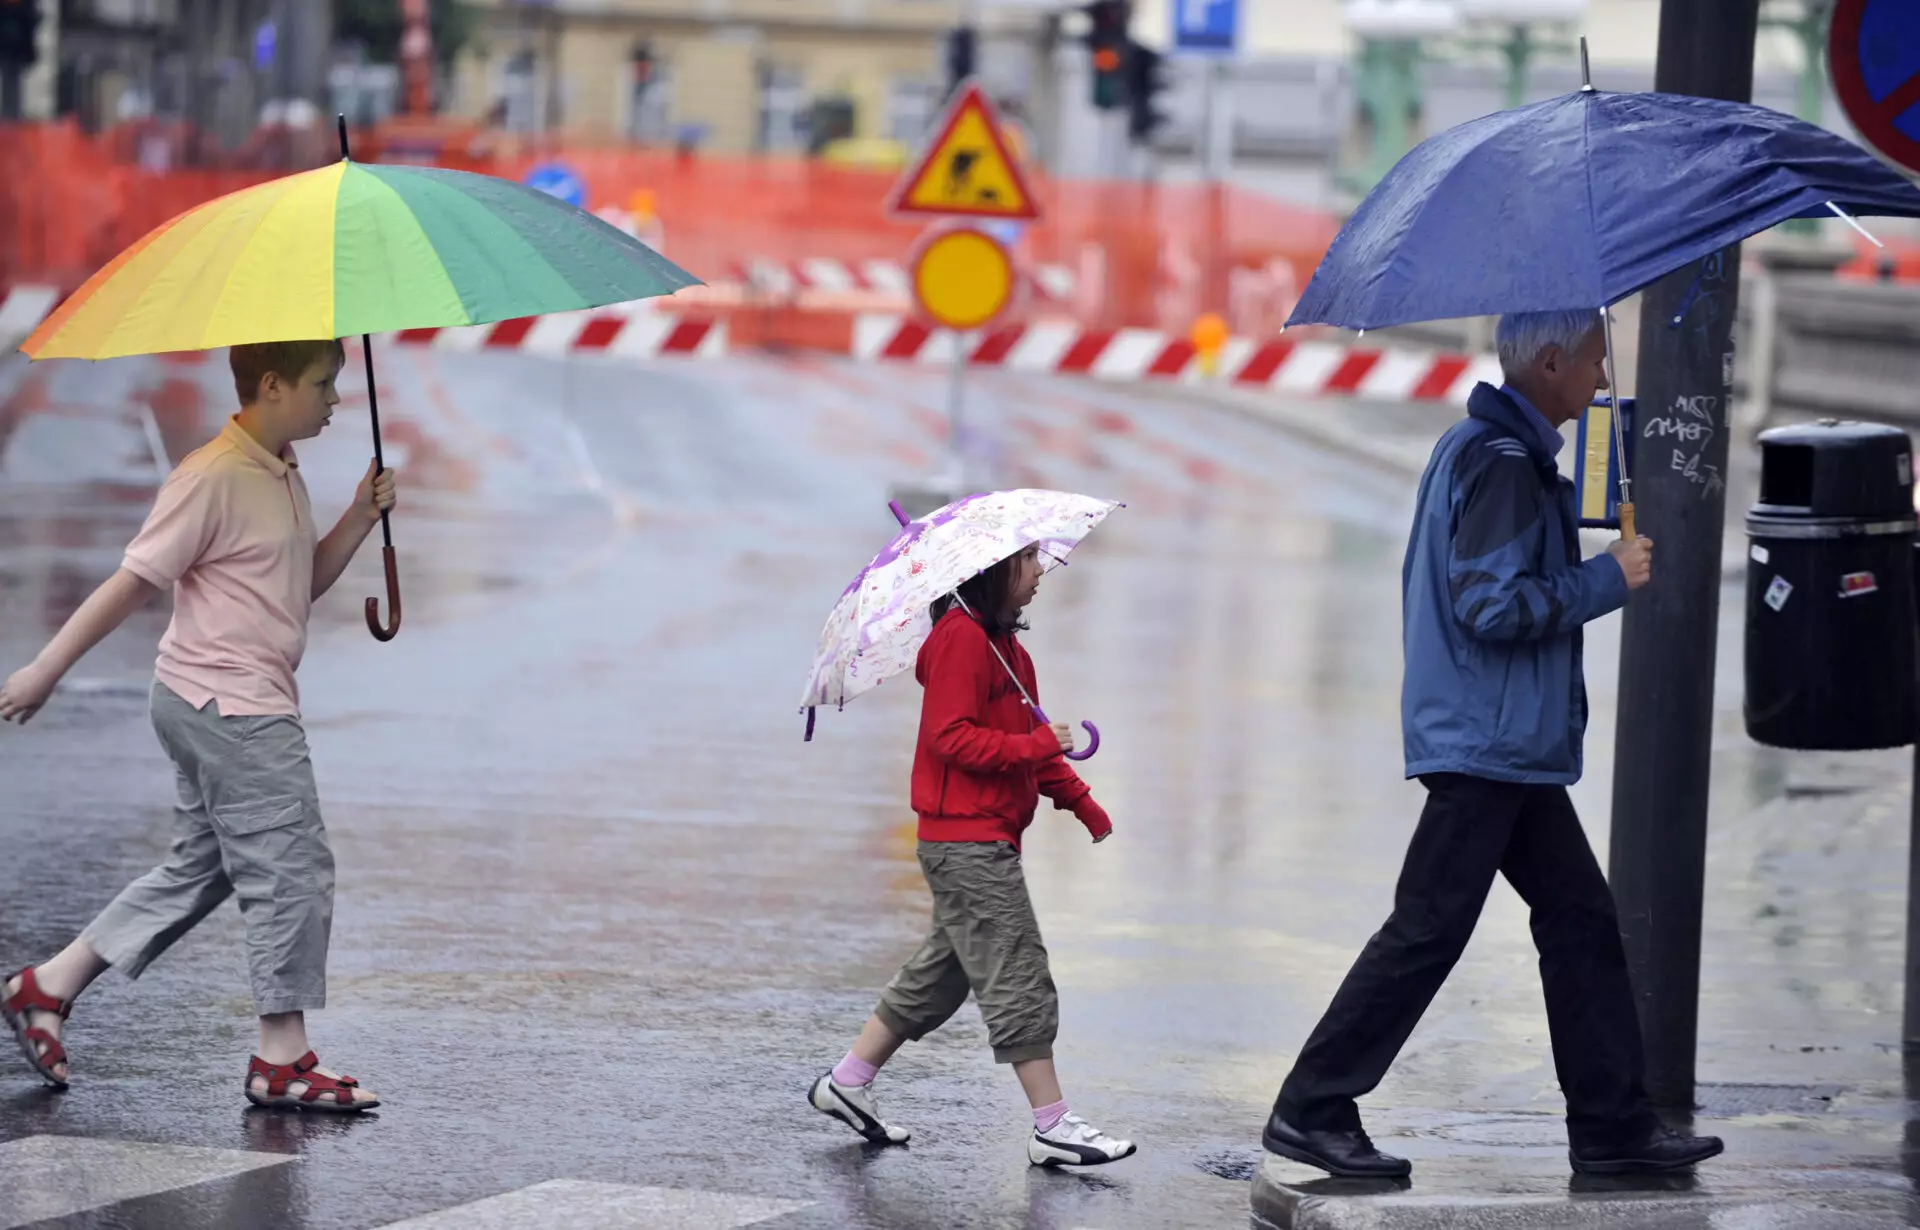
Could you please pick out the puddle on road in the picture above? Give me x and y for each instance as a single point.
(1233, 1165)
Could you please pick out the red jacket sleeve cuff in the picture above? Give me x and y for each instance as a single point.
(1045, 743)
(1094, 817)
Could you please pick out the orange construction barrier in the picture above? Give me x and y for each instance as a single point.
(1138, 254)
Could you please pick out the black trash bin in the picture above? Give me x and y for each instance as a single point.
(1831, 629)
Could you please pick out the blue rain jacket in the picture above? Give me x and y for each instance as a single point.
(1493, 594)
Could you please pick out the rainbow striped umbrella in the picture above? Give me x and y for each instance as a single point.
(349, 249)
(352, 248)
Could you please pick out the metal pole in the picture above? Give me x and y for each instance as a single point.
(1910, 1023)
(1664, 741)
(1209, 99)
(956, 398)
(1519, 51)
(1910, 1020)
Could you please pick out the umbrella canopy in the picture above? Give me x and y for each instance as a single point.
(1578, 202)
(876, 629)
(352, 249)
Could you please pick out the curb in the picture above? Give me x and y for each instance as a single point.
(1358, 1204)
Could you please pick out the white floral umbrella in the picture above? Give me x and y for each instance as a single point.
(877, 627)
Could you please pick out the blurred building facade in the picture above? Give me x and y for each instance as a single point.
(1294, 115)
(730, 76)
(210, 65)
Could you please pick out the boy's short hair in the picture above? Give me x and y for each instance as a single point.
(287, 360)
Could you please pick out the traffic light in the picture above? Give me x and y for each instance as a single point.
(19, 22)
(1145, 80)
(1107, 41)
(960, 56)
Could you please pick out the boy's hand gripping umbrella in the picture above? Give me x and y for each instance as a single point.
(353, 248)
(876, 629)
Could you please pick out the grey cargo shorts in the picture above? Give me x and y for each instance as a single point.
(247, 824)
(986, 940)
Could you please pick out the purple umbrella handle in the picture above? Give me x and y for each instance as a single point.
(1093, 735)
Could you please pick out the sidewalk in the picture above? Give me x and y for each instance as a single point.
(1800, 1067)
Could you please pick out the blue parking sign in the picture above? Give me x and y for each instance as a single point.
(1208, 27)
(558, 179)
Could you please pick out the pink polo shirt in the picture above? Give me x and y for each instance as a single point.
(232, 533)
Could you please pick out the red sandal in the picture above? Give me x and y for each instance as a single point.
(280, 1075)
(14, 1009)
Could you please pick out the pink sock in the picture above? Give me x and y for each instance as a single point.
(852, 1071)
(1046, 1118)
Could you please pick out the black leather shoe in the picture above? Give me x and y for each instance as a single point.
(1664, 1149)
(1348, 1155)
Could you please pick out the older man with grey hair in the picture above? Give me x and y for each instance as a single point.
(1493, 709)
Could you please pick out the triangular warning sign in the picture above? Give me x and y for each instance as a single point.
(968, 169)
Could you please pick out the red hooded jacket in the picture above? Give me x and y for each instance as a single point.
(983, 759)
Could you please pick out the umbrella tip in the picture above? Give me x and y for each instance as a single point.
(1586, 70)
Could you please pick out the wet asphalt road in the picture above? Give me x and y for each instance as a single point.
(603, 916)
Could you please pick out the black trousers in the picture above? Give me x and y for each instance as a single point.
(1471, 828)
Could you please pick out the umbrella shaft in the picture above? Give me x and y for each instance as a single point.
(1613, 406)
(373, 412)
(1004, 665)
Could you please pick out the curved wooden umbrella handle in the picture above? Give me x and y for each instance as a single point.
(391, 629)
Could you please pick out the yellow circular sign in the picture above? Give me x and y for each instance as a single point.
(962, 278)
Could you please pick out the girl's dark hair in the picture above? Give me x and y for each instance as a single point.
(986, 594)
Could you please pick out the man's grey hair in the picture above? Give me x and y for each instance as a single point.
(1523, 335)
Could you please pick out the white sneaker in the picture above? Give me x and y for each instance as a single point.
(853, 1105)
(1074, 1142)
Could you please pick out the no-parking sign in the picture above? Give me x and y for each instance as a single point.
(1873, 53)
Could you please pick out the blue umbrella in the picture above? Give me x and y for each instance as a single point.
(1578, 202)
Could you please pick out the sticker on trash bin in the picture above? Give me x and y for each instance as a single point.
(1856, 583)
(1903, 466)
(1758, 554)
(1777, 592)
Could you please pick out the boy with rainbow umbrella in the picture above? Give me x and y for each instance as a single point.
(279, 273)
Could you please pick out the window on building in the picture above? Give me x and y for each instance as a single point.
(784, 106)
(518, 92)
(912, 105)
(650, 104)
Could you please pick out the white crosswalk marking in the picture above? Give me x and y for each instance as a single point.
(56, 1176)
(605, 1206)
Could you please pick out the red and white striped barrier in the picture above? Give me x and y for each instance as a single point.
(1281, 364)
(624, 332)
(830, 275)
(629, 335)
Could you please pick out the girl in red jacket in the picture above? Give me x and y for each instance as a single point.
(978, 771)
